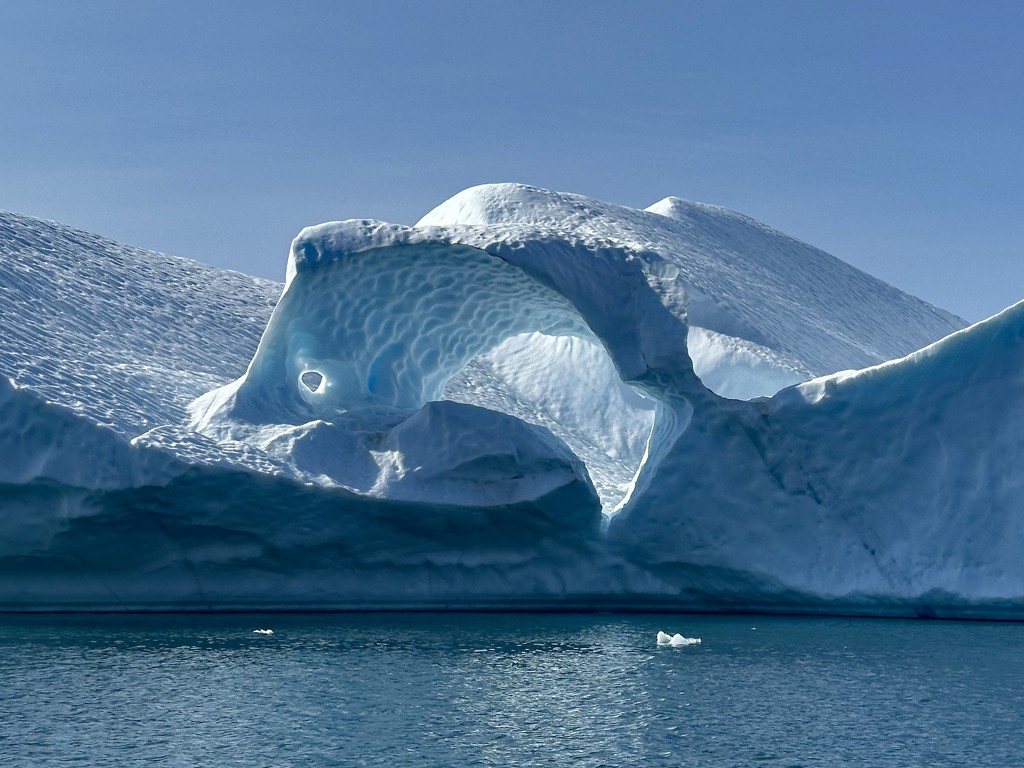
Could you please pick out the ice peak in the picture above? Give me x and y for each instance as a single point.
(506, 202)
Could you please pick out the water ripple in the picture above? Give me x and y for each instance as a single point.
(499, 690)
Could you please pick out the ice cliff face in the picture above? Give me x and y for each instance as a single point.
(517, 402)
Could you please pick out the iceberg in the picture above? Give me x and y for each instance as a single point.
(529, 399)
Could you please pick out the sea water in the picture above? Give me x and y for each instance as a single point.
(507, 690)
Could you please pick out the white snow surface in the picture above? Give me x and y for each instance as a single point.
(529, 399)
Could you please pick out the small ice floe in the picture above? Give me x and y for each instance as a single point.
(677, 640)
(263, 631)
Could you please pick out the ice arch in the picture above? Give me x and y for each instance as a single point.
(376, 319)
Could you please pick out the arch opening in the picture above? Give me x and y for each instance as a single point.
(368, 340)
(569, 386)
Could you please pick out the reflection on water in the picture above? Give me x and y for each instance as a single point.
(507, 689)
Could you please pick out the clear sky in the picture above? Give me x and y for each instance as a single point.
(890, 134)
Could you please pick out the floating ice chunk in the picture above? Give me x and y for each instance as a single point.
(270, 632)
(676, 640)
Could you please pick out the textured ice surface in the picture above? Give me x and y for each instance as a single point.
(497, 408)
(123, 336)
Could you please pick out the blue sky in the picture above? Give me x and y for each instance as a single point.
(890, 134)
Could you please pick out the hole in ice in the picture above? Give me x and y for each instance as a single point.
(312, 380)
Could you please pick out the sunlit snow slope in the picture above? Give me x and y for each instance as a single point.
(497, 408)
(764, 310)
(125, 337)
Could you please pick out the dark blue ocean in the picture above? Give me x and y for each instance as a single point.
(507, 690)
